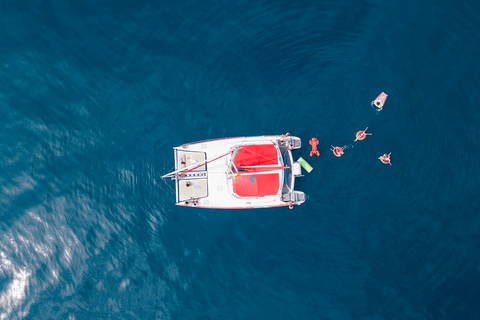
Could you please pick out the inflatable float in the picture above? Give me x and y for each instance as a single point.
(314, 144)
(338, 151)
(380, 101)
(305, 165)
(361, 135)
(385, 158)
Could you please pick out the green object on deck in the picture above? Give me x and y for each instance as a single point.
(305, 165)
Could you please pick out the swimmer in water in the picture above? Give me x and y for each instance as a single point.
(385, 158)
(362, 135)
(338, 151)
(380, 101)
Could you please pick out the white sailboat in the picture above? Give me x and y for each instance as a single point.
(237, 173)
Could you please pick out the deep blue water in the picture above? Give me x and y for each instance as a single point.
(94, 95)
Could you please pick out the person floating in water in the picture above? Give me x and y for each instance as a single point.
(338, 151)
(183, 161)
(362, 135)
(385, 158)
(380, 101)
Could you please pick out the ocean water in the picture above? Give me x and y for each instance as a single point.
(94, 95)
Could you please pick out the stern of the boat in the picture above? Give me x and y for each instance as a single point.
(292, 170)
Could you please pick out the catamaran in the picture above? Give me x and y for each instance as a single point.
(237, 173)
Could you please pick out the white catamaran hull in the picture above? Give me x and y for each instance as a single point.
(237, 173)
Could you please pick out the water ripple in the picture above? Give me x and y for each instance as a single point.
(94, 97)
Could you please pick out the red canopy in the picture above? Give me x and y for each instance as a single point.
(257, 184)
(256, 155)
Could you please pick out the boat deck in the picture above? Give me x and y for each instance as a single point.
(215, 188)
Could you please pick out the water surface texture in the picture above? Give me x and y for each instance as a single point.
(94, 95)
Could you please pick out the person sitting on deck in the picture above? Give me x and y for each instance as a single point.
(183, 161)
